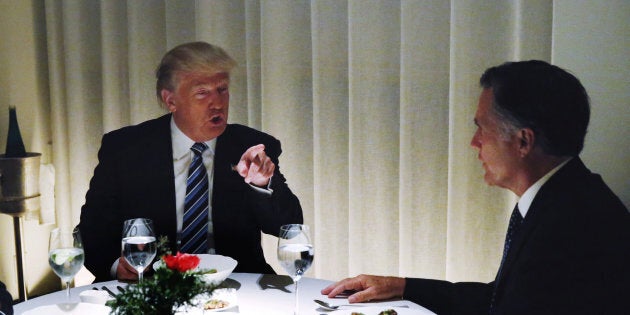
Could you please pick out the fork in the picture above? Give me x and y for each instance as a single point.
(112, 294)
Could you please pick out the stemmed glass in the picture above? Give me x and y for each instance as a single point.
(65, 255)
(295, 253)
(139, 245)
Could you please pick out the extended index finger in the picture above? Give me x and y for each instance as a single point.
(252, 152)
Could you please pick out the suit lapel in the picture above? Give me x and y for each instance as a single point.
(537, 212)
(227, 153)
(159, 148)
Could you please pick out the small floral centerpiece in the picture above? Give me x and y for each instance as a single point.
(174, 285)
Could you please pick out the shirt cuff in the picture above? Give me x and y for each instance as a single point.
(267, 191)
(113, 271)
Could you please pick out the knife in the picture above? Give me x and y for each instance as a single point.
(108, 291)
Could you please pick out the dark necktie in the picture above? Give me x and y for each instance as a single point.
(195, 225)
(515, 222)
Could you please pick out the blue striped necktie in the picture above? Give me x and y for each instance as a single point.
(195, 225)
(515, 222)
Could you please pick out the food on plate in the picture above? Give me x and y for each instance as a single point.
(215, 304)
(385, 312)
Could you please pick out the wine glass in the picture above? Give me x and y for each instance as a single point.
(65, 255)
(139, 245)
(295, 253)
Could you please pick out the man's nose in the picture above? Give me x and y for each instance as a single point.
(212, 99)
(474, 142)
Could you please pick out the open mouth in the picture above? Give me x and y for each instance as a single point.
(216, 119)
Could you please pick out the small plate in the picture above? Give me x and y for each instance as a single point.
(227, 295)
(375, 310)
(95, 297)
(70, 308)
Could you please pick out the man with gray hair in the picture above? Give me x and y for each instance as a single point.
(237, 190)
(567, 249)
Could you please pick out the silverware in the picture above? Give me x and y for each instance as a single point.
(334, 307)
(121, 289)
(109, 291)
(330, 307)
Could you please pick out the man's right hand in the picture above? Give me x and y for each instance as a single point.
(125, 271)
(368, 288)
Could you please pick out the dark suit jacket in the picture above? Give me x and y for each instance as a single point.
(135, 178)
(571, 255)
(6, 301)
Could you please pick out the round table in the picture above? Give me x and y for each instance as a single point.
(258, 294)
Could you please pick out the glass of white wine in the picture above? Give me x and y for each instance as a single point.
(139, 245)
(65, 255)
(295, 253)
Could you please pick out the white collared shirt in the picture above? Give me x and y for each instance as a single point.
(528, 197)
(182, 157)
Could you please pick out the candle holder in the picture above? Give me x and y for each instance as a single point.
(19, 198)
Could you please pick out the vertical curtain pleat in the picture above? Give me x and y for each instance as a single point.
(83, 86)
(423, 137)
(329, 20)
(533, 30)
(373, 102)
(114, 58)
(374, 75)
(252, 63)
(61, 159)
(180, 21)
(147, 44)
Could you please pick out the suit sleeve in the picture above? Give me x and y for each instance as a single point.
(443, 297)
(282, 206)
(99, 214)
(6, 301)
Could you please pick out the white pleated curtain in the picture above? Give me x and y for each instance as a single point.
(373, 102)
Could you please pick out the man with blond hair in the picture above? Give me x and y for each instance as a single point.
(145, 171)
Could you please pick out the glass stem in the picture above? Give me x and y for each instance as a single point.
(68, 290)
(297, 306)
(139, 276)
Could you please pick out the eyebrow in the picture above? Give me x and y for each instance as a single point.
(200, 83)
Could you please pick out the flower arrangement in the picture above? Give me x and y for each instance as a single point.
(173, 285)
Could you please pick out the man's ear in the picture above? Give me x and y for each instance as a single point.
(526, 139)
(167, 98)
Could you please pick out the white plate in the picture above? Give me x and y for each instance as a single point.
(70, 308)
(95, 297)
(227, 295)
(223, 264)
(375, 310)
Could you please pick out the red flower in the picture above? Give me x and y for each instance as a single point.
(181, 262)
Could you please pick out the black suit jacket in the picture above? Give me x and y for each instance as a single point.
(135, 178)
(571, 255)
(6, 301)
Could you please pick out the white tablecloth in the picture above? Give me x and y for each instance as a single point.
(256, 294)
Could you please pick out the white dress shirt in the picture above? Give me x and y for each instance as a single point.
(528, 197)
(182, 157)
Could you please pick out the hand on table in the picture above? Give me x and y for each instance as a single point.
(124, 271)
(369, 288)
(255, 166)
